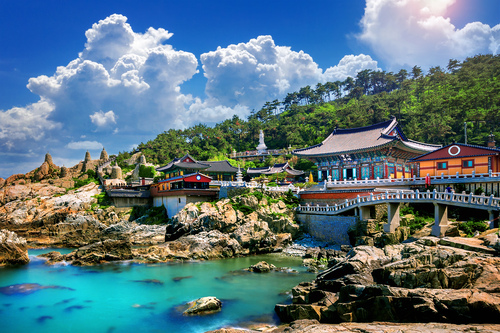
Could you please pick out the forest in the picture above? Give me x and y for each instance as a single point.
(433, 107)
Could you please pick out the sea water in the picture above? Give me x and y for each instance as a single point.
(130, 297)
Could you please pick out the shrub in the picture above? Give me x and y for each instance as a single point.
(147, 171)
(478, 191)
(470, 227)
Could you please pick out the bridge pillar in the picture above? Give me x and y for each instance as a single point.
(392, 217)
(364, 213)
(440, 220)
(493, 219)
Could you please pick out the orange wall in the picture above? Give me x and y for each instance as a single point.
(455, 165)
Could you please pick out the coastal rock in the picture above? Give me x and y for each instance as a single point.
(262, 267)
(421, 281)
(108, 250)
(137, 234)
(269, 228)
(203, 306)
(13, 249)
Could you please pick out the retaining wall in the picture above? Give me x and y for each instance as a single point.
(328, 228)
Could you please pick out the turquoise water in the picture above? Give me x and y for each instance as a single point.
(128, 297)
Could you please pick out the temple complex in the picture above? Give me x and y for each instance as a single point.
(217, 170)
(378, 151)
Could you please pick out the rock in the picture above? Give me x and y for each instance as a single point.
(414, 282)
(108, 250)
(262, 267)
(13, 249)
(203, 306)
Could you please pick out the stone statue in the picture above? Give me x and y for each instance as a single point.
(261, 148)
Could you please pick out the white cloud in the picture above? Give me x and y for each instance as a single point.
(101, 119)
(350, 65)
(252, 73)
(89, 145)
(417, 32)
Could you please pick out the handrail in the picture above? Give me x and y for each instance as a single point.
(461, 199)
(397, 181)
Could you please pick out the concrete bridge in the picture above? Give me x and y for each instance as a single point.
(441, 201)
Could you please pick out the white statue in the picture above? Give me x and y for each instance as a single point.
(261, 148)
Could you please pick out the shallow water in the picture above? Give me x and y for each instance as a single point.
(128, 297)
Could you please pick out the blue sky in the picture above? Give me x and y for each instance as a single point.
(78, 75)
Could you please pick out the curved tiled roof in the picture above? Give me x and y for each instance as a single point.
(219, 166)
(352, 140)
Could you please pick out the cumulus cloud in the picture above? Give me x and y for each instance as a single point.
(417, 32)
(350, 65)
(90, 145)
(102, 120)
(255, 72)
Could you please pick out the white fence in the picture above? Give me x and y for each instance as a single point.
(264, 187)
(448, 198)
(491, 176)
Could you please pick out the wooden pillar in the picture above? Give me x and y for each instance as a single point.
(440, 220)
(392, 217)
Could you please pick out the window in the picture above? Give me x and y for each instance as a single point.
(468, 164)
(442, 165)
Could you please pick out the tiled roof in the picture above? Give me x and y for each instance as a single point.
(219, 166)
(277, 168)
(363, 139)
(123, 193)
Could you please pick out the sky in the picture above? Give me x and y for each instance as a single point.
(83, 75)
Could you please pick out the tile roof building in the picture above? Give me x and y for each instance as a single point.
(218, 170)
(380, 150)
(277, 168)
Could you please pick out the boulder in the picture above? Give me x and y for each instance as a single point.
(262, 267)
(13, 249)
(203, 306)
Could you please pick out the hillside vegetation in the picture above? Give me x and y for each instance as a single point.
(431, 107)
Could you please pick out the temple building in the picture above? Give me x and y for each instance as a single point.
(377, 151)
(459, 158)
(177, 191)
(217, 170)
(275, 169)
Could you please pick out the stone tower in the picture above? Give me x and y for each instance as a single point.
(104, 155)
(48, 158)
(64, 172)
(116, 172)
(87, 157)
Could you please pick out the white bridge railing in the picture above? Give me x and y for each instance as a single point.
(450, 198)
(401, 181)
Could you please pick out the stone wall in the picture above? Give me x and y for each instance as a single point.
(331, 229)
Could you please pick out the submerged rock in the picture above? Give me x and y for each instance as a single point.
(204, 305)
(13, 249)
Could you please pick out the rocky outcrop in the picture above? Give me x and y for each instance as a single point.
(415, 282)
(370, 232)
(13, 249)
(266, 227)
(108, 250)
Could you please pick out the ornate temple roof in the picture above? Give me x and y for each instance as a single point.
(188, 162)
(277, 168)
(344, 141)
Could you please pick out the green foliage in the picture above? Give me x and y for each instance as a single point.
(259, 195)
(417, 224)
(103, 201)
(92, 178)
(147, 171)
(470, 227)
(149, 215)
(479, 191)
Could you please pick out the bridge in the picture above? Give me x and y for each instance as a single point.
(441, 201)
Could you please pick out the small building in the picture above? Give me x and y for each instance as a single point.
(458, 158)
(378, 151)
(177, 191)
(276, 169)
(217, 170)
(124, 199)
